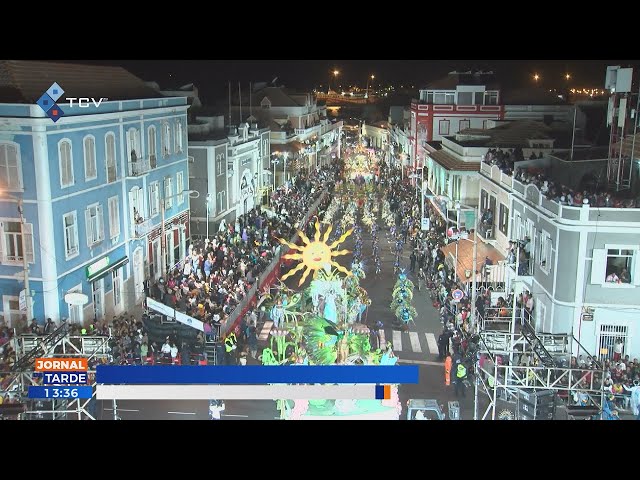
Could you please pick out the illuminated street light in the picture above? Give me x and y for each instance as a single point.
(366, 95)
(567, 76)
(536, 77)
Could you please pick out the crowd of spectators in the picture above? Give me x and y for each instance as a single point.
(562, 194)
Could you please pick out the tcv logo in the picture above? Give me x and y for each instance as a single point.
(48, 102)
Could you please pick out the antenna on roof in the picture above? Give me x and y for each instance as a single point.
(240, 97)
(250, 112)
(273, 82)
(229, 103)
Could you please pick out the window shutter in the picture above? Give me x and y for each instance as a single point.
(2, 240)
(598, 266)
(100, 222)
(635, 268)
(88, 227)
(28, 241)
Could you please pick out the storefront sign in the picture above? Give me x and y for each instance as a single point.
(97, 266)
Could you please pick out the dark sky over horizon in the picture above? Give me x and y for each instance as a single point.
(212, 76)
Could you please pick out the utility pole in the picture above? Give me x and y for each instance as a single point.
(25, 262)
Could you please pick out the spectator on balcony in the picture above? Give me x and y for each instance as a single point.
(529, 305)
(613, 278)
(624, 276)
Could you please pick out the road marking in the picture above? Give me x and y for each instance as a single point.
(422, 362)
(397, 341)
(121, 410)
(415, 342)
(266, 329)
(183, 413)
(243, 416)
(432, 343)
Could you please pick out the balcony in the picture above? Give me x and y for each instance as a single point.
(138, 167)
(141, 229)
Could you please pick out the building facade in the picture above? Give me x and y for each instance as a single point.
(301, 134)
(574, 252)
(95, 185)
(230, 170)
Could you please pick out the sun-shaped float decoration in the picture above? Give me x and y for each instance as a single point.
(317, 254)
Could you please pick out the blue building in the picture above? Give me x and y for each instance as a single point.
(94, 183)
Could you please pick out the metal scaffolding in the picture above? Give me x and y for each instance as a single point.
(57, 344)
(536, 361)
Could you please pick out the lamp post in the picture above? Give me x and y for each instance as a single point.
(366, 94)
(208, 210)
(163, 240)
(25, 260)
(284, 171)
(274, 162)
(335, 77)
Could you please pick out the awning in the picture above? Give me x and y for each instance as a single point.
(465, 256)
(107, 269)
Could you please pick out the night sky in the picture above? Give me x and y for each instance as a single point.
(212, 76)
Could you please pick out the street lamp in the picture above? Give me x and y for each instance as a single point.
(208, 210)
(536, 77)
(163, 240)
(366, 94)
(274, 162)
(284, 171)
(25, 260)
(335, 78)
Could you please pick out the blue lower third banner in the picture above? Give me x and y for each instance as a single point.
(255, 375)
(61, 392)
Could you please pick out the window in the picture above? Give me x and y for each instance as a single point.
(503, 224)
(114, 217)
(518, 227)
(180, 187)
(444, 127)
(11, 310)
(70, 222)
(619, 263)
(266, 104)
(222, 201)
(76, 311)
(133, 145)
(110, 155)
(178, 137)
(152, 146)
(220, 164)
(11, 241)
(465, 98)
(10, 167)
(166, 139)
(154, 199)
(478, 98)
(456, 191)
(95, 224)
(168, 192)
(544, 252)
(66, 163)
(491, 98)
(484, 200)
(444, 98)
(90, 171)
(464, 124)
(429, 97)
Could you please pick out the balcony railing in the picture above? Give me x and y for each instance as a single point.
(141, 229)
(138, 167)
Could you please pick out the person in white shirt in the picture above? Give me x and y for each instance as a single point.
(174, 351)
(166, 348)
(612, 278)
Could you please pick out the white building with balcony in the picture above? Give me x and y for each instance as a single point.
(584, 263)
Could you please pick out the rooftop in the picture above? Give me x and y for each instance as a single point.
(592, 153)
(511, 134)
(449, 162)
(24, 81)
(453, 79)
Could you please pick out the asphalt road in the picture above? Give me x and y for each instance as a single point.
(417, 346)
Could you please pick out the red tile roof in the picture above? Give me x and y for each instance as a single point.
(24, 81)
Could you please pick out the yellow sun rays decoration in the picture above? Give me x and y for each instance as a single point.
(317, 254)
